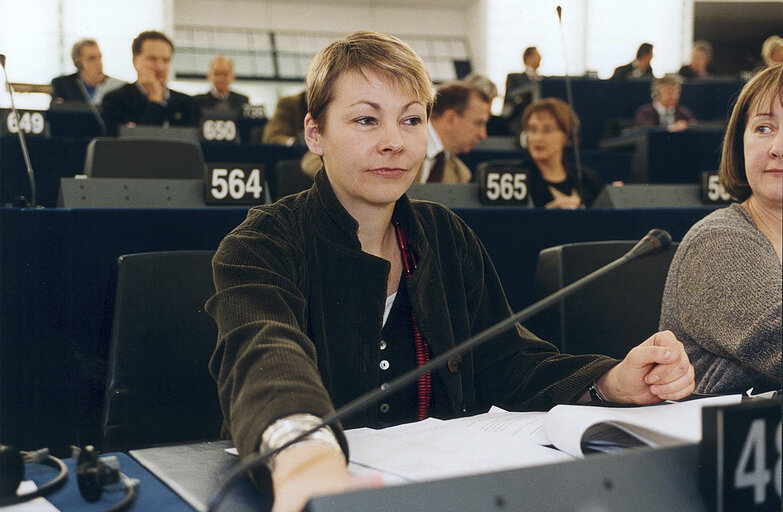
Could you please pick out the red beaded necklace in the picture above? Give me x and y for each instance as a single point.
(424, 382)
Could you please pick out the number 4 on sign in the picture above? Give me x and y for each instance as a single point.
(254, 185)
(751, 470)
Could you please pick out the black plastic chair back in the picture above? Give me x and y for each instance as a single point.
(158, 388)
(611, 315)
(109, 157)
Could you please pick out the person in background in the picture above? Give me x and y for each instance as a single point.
(640, 68)
(88, 83)
(221, 97)
(483, 84)
(772, 50)
(519, 93)
(149, 101)
(665, 110)
(457, 123)
(287, 121)
(287, 125)
(330, 293)
(701, 60)
(553, 180)
(723, 292)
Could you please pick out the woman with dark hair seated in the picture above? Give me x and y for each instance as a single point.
(553, 180)
(723, 292)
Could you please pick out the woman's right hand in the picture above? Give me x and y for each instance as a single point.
(565, 202)
(310, 469)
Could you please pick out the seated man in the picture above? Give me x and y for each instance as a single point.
(148, 100)
(287, 121)
(221, 74)
(457, 123)
(88, 83)
(665, 110)
(287, 124)
(700, 64)
(638, 68)
(519, 93)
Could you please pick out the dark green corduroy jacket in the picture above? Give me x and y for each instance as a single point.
(299, 312)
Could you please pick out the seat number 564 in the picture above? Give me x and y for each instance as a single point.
(236, 184)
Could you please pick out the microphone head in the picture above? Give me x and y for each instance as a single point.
(655, 242)
(2, 59)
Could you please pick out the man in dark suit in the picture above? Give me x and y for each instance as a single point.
(88, 83)
(665, 110)
(149, 101)
(457, 123)
(221, 74)
(639, 68)
(519, 90)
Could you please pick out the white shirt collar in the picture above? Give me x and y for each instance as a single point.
(434, 146)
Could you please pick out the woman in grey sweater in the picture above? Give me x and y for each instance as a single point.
(723, 292)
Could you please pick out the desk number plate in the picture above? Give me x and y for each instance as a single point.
(712, 191)
(740, 456)
(235, 184)
(30, 122)
(504, 186)
(223, 130)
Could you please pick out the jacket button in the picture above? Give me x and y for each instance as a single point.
(454, 364)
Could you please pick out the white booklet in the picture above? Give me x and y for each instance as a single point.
(497, 440)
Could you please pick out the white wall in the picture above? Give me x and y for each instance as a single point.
(458, 19)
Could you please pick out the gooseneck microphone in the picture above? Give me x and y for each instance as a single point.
(570, 99)
(655, 242)
(93, 109)
(22, 142)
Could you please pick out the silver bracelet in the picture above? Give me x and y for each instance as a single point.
(285, 429)
(594, 394)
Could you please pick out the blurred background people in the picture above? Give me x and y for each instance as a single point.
(483, 84)
(286, 127)
(287, 121)
(458, 122)
(723, 292)
(519, 93)
(88, 83)
(640, 67)
(700, 65)
(553, 180)
(149, 101)
(772, 50)
(221, 97)
(665, 110)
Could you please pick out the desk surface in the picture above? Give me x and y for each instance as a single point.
(196, 470)
(651, 479)
(152, 493)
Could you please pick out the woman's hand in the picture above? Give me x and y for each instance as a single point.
(565, 202)
(656, 370)
(309, 469)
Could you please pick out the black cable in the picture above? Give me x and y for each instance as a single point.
(47, 488)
